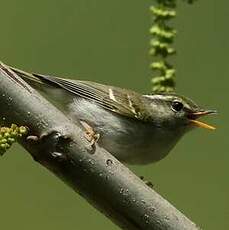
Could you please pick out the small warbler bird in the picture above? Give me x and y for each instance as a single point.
(135, 128)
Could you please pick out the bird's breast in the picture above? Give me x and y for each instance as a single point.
(129, 140)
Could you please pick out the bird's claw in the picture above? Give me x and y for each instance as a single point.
(148, 183)
(91, 136)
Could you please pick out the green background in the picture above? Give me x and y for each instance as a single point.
(107, 41)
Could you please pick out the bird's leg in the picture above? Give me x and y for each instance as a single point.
(90, 134)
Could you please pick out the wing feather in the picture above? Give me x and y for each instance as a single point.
(124, 102)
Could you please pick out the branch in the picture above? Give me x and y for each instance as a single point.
(92, 172)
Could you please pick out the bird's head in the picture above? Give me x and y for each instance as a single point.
(175, 112)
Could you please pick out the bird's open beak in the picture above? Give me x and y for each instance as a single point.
(195, 115)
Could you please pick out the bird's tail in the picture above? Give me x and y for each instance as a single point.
(47, 85)
(37, 81)
(42, 83)
(31, 78)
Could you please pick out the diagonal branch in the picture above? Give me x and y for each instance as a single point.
(92, 172)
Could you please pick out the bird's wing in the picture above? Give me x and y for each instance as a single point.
(127, 103)
(124, 102)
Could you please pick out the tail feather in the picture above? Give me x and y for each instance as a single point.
(25, 75)
(34, 79)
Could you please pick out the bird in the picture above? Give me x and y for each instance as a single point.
(135, 128)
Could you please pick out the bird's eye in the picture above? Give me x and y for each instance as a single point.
(177, 106)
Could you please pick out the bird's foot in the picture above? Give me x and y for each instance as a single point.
(91, 136)
(148, 183)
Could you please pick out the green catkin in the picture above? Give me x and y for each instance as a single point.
(161, 48)
(8, 136)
